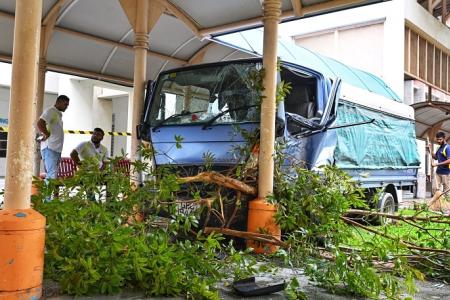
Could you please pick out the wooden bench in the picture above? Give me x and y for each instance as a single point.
(67, 167)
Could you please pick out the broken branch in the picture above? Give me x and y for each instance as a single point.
(259, 237)
(217, 178)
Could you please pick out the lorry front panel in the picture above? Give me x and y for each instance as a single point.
(196, 145)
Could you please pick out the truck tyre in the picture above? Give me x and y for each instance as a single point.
(386, 204)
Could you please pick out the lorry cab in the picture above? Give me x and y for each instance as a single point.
(348, 118)
(208, 107)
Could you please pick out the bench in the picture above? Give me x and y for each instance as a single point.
(67, 167)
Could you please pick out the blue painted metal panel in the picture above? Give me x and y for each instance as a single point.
(220, 141)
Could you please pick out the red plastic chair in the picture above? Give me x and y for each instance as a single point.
(66, 169)
(124, 165)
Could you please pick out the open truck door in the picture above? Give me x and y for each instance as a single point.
(309, 143)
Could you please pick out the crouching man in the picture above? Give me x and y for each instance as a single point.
(91, 149)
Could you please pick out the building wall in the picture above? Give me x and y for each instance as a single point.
(427, 50)
(4, 110)
(372, 38)
(88, 108)
(120, 111)
(420, 19)
(345, 44)
(360, 37)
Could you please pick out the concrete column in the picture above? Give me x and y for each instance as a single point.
(21, 112)
(140, 66)
(272, 12)
(39, 108)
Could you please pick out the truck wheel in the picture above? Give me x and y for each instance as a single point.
(385, 205)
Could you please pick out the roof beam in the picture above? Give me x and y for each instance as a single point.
(305, 10)
(297, 7)
(155, 11)
(182, 16)
(239, 24)
(53, 11)
(79, 72)
(90, 74)
(47, 27)
(106, 41)
(120, 45)
(200, 54)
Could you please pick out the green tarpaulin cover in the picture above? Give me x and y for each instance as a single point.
(387, 143)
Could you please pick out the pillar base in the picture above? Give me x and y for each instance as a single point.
(22, 236)
(261, 220)
(28, 294)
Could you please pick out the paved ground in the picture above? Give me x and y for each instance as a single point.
(427, 291)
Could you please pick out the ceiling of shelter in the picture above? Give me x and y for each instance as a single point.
(432, 115)
(93, 38)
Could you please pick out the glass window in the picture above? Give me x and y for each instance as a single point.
(224, 93)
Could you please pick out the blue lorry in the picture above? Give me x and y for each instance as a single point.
(334, 114)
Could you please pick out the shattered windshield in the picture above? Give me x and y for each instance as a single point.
(211, 95)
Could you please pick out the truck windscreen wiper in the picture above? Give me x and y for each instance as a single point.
(183, 113)
(302, 120)
(213, 119)
(312, 132)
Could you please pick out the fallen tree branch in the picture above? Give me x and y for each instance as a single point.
(400, 241)
(202, 201)
(237, 205)
(259, 237)
(217, 178)
(435, 219)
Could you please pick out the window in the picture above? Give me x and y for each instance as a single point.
(222, 93)
(302, 100)
(3, 143)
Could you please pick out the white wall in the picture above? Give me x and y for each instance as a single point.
(102, 110)
(49, 99)
(88, 108)
(345, 44)
(369, 37)
(120, 110)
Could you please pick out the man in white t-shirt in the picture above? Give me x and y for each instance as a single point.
(91, 149)
(50, 126)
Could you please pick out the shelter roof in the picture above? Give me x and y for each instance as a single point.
(432, 114)
(93, 38)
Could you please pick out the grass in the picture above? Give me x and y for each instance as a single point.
(422, 234)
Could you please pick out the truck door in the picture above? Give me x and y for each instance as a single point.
(308, 142)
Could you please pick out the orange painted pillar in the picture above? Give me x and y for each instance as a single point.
(261, 220)
(260, 216)
(22, 232)
(22, 236)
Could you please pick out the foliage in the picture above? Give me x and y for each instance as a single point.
(427, 233)
(103, 234)
(102, 247)
(310, 206)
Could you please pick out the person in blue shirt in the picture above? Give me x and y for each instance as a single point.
(442, 156)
